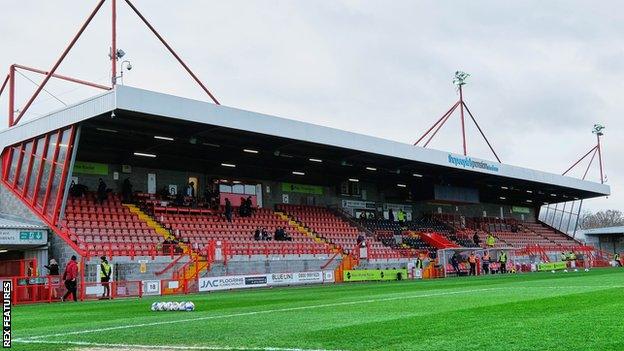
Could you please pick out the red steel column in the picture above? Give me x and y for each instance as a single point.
(31, 159)
(11, 95)
(18, 169)
(51, 179)
(58, 62)
(40, 171)
(63, 181)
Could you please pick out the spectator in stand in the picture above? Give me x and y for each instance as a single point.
(101, 191)
(249, 206)
(476, 239)
(491, 240)
(105, 276)
(485, 262)
(265, 234)
(257, 234)
(472, 260)
(390, 215)
(242, 209)
(126, 191)
(77, 190)
(285, 235)
(69, 276)
(228, 210)
(277, 235)
(401, 217)
(53, 268)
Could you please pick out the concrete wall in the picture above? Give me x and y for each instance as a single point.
(58, 248)
(261, 265)
(10, 204)
(127, 269)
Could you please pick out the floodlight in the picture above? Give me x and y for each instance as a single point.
(598, 128)
(120, 53)
(460, 78)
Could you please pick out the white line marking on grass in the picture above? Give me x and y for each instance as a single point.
(251, 313)
(165, 347)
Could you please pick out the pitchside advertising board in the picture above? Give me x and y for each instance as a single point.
(361, 275)
(263, 280)
(551, 266)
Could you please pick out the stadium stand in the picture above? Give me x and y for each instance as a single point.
(332, 229)
(201, 226)
(508, 232)
(109, 228)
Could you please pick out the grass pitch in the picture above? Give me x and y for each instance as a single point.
(537, 311)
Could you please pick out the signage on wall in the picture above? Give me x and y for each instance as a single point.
(90, 168)
(519, 209)
(285, 199)
(22, 237)
(126, 169)
(358, 204)
(302, 188)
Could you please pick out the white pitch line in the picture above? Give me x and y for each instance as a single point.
(288, 309)
(251, 313)
(166, 347)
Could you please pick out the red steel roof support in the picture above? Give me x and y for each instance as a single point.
(58, 63)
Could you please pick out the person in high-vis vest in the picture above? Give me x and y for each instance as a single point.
(563, 257)
(472, 260)
(105, 276)
(572, 259)
(490, 241)
(616, 258)
(502, 259)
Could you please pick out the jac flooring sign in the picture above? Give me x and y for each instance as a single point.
(23, 237)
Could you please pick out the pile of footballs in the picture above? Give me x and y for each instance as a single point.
(173, 306)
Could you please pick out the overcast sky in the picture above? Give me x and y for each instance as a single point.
(542, 72)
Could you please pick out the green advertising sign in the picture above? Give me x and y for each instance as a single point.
(551, 266)
(302, 188)
(91, 168)
(518, 209)
(29, 236)
(361, 275)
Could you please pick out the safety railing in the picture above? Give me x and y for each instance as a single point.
(275, 248)
(133, 250)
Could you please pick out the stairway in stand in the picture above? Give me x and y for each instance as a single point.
(305, 231)
(196, 264)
